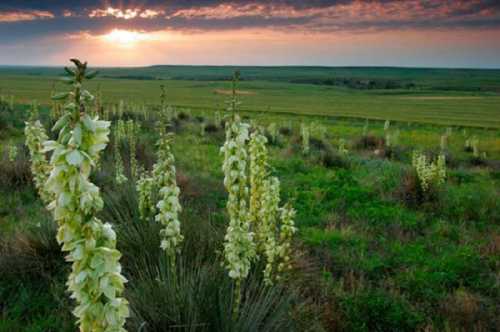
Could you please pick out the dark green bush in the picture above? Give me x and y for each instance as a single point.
(375, 310)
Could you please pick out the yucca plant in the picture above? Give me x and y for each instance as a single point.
(12, 152)
(35, 137)
(95, 281)
(239, 247)
(133, 129)
(169, 207)
(272, 129)
(306, 135)
(119, 168)
(430, 173)
(145, 187)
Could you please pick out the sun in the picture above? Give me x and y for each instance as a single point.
(125, 38)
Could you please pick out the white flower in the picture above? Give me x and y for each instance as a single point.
(239, 248)
(429, 173)
(169, 207)
(95, 281)
(40, 168)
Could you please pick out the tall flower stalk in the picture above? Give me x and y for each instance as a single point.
(268, 226)
(145, 187)
(429, 172)
(95, 281)
(119, 168)
(287, 231)
(40, 168)
(169, 207)
(132, 134)
(12, 152)
(258, 165)
(239, 247)
(305, 134)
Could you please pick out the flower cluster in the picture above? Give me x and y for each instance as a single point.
(429, 173)
(258, 164)
(443, 144)
(203, 126)
(40, 168)
(95, 281)
(305, 134)
(239, 247)
(267, 226)
(217, 118)
(119, 168)
(12, 152)
(288, 229)
(475, 146)
(164, 176)
(145, 188)
(387, 125)
(120, 131)
(318, 130)
(342, 147)
(264, 209)
(133, 130)
(272, 129)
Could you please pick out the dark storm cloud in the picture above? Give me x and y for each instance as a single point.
(35, 19)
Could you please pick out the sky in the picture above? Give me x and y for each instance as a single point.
(415, 33)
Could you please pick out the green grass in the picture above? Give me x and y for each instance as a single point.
(366, 259)
(445, 97)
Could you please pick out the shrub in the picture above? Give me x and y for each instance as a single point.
(31, 253)
(285, 131)
(17, 173)
(372, 310)
(369, 142)
(332, 159)
(471, 202)
(183, 116)
(465, 310)
(317, 144)
(477, 161)
(197, 297)
(410, 192)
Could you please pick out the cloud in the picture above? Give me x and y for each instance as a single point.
(126, 14)
(293, 16)
(28, 15)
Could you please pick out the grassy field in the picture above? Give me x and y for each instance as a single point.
(459, 108)
(371, 254)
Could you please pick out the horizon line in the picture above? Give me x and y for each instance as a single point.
(261, 66)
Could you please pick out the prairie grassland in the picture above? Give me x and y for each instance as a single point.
(373, 253)
(476, 109)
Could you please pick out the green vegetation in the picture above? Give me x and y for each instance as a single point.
(373, 251)
(440, 96)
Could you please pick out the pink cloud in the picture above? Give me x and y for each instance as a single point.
(126, 14)
(16, 16)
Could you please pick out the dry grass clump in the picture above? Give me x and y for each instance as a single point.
(17, 173)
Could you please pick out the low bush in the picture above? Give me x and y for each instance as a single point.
(285, 131)
(183, 116)
(332, 159)
(17, 173)
(369, 142)
(374, 310)
(211, 128)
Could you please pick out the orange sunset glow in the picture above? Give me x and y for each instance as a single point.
(351, 32)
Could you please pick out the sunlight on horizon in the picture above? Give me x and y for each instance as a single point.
(126, 38)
